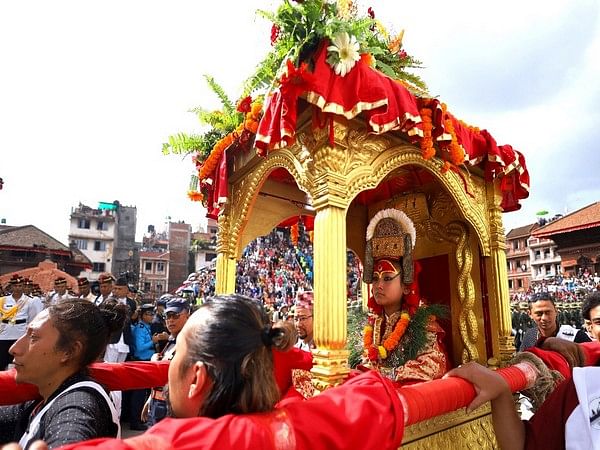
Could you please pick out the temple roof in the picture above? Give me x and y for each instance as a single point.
(30, 237)
(524, 231)
(584, 218)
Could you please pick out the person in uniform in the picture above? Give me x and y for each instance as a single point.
(121, 342)
(16, 311)
(158, 327)
(85, 290)
(144, 344)
(105, 284)
(402, 338)
(60, 291)
(177, 313)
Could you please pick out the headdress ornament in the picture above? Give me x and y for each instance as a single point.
(391, 235)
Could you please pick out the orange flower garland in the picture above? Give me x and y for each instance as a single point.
(195, 196)
(294, 234)
(250, 123)
(389, 344)
(211, 162)
(427, 141)
(457, 154)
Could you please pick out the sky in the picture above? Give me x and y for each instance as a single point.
(89, 91)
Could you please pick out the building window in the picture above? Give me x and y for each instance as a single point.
(520, 283)
(81, 244)
(510, 284)
(102, 225)
(146, 286)
(99, 246)
(99, 267)
(210, 256)
(148, 266)
(160, 266)
(84, 223)
(159, 288)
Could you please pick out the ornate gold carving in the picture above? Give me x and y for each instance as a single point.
(246, 189)
(457, 233)
(330, 368)
(223, 237)
(370, 175)
(462, 431)
(498, 286)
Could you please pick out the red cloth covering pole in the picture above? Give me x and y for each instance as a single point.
(117, 377)
(433, 398)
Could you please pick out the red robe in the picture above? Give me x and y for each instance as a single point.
(365, 412)
(148, 374)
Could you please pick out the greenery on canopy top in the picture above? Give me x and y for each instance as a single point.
(298, 28)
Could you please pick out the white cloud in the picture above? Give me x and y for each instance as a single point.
(90, 90)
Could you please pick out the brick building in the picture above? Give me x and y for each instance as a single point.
(577, 238)
(517, 258)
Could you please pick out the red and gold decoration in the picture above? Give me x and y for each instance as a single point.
(346, 65)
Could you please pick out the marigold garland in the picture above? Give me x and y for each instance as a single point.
(457, 154)
(195, 196)
(427, 140)
(393, 340)
(253, 112)
(294, 234)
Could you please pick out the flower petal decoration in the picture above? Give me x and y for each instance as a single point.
(347, 49)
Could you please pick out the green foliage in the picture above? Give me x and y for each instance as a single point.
(220, 122)
(184, 144)
(415, 338)
(302, 26)
(357, 319)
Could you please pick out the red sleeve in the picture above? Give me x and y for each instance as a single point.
(363, 413)
(553, 360)
(546, 429)
(285, 362)
(198, 433)
(592, 352)
(130, 375)
(12, 393)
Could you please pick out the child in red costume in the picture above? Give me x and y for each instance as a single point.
(402, 338)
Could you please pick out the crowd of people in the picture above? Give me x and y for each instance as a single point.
(564, 296)
(251, 352)
(276, 269)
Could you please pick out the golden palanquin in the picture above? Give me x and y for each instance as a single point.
(342, 175)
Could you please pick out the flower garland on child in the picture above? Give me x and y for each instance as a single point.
(382, 351)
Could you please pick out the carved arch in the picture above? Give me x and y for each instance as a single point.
(369, 176)
(246, 189)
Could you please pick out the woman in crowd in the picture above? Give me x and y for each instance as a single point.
(223, 372)
(402, 338)
(53, 355)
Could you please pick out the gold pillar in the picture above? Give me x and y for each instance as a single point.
(498, 281)
(330, 307)
(226, 262)
(225, 283)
